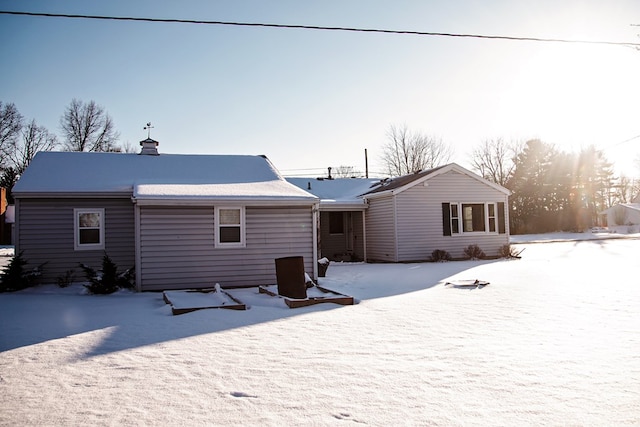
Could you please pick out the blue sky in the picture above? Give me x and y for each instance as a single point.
(311, 99)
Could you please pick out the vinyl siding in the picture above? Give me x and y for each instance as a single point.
(381, 241)
(46, 228)
(177, 247)
(419, 211)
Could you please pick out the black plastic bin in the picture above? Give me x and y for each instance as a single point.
(290, 277)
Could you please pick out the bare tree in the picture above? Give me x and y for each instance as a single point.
(407, 152)
(87, 127)
(128, 147)
(10, 125)
(494, 159)
(344, 172)
(34, 138)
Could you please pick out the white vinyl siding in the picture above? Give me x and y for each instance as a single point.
(381, 232)
(178, 249)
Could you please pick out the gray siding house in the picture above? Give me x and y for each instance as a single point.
(183, 221)
(406, 218)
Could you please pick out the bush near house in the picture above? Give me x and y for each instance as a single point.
(14, 277)
(440, 255)
(108, 280)
(474, 252)
(508, 251)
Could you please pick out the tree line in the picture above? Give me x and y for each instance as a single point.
(552, 190)
(85, 126)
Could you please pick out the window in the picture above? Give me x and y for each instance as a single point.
(473, 217)
(492, 217)
(336, 223)
(230, 227)
(455, 219)
(88, 229)
(458, 218)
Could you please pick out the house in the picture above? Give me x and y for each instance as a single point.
(342, 215)
(406, 218)
(183, 221)
(623, 217)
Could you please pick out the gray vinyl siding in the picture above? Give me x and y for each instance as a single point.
(177, 247)
(381, 237)
(46, 228)
(419, 211)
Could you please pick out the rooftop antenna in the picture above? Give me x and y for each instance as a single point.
(148, 128)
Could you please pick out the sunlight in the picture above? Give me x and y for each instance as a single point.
(574, 95)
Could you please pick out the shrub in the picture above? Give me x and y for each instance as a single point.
(68, 278)
(440, 255)
(474, 252)
(15, 278)
(508, 251)
(107, 280)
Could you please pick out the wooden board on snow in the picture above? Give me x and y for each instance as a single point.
(467, 283)
(191, 300)
(315, 295)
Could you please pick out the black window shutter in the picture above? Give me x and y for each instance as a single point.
(501, 223)
(446, 219)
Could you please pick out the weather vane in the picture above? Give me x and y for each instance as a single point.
(148, 129)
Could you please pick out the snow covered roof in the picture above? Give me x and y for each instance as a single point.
(406, 181)
(338, 192)
(166, 176)
(632, 206)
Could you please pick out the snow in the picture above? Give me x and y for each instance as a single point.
(343, 189)
(553, 340)
(163, 176)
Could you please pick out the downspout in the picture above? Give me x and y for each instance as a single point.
(395, 227)
(506, 219)
(15, 231)
(364, 234)
(138, 255)
(314, 211)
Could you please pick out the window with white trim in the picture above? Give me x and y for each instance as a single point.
(455, 219)
(459, 218)
(229, 223)
(491, 216)
(88, 229)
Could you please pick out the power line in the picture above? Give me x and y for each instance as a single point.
(622, 142)
(318, 27)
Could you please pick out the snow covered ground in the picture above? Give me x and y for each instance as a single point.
(553, 340)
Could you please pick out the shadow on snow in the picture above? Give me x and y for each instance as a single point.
(129, 320)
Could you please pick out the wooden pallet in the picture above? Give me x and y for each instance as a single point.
(181, 305)
(320, 295)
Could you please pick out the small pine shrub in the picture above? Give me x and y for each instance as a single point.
(107, 280)
(474, 252)
(440, 255)
(68, 278)
(14, 277)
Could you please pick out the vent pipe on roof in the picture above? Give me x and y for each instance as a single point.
(149, 147)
